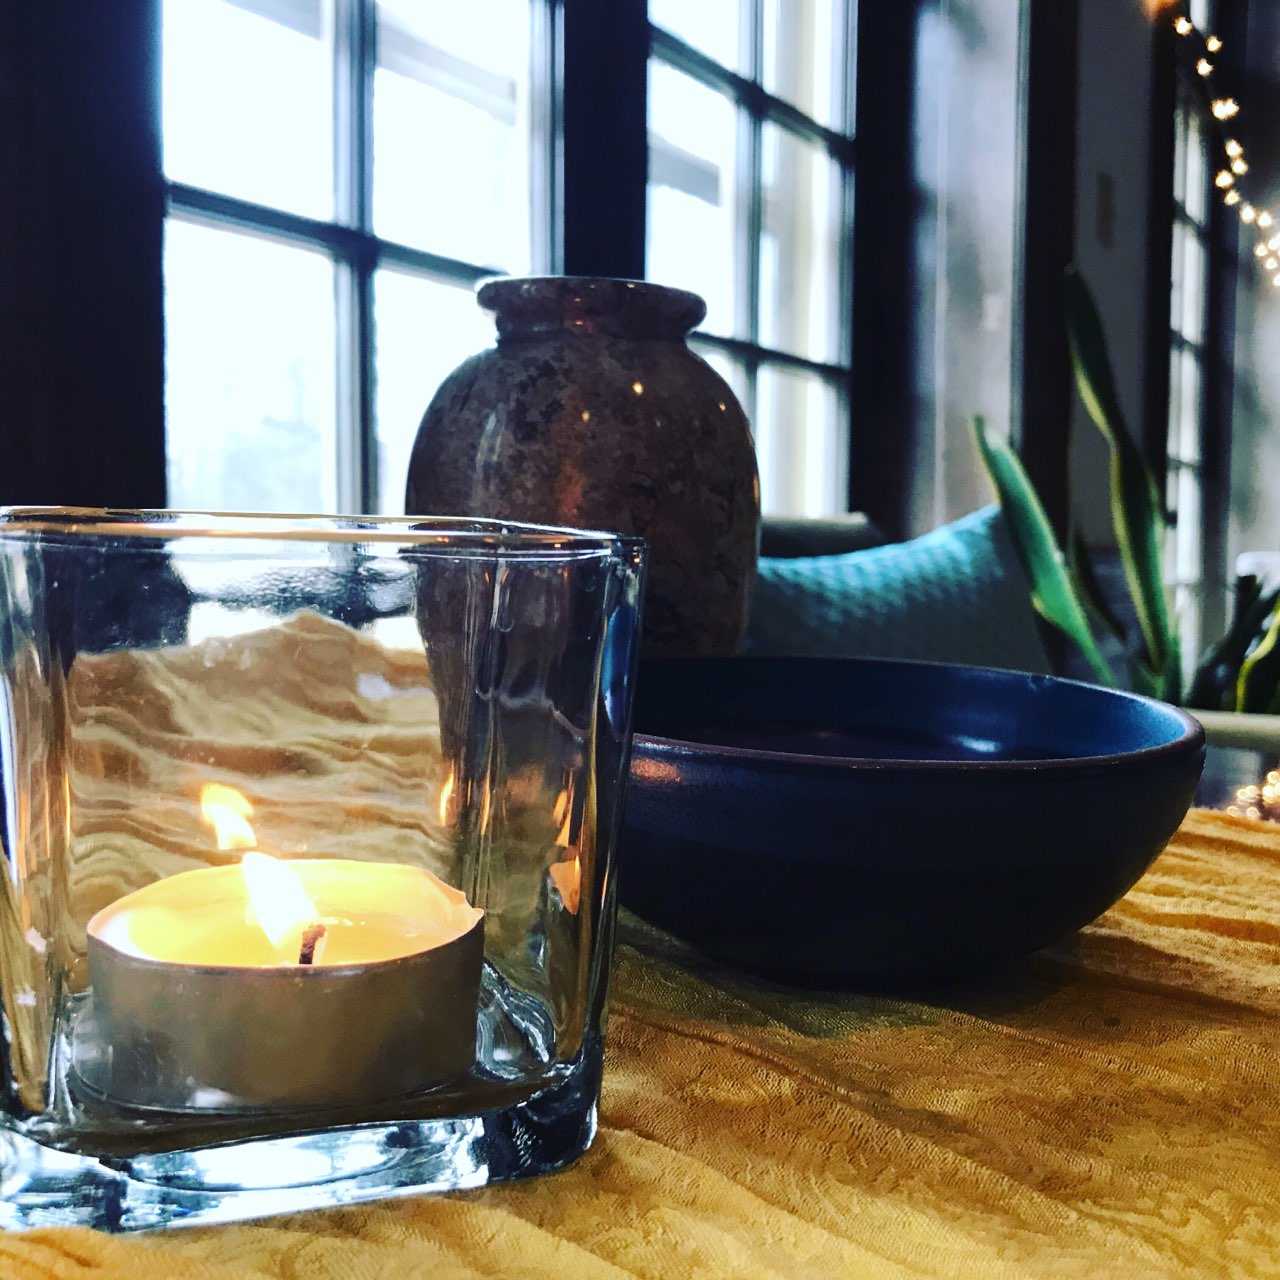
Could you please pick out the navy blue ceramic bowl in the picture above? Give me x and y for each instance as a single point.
(880, 823)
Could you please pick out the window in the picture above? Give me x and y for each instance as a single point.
(340, 173)
(750, 203)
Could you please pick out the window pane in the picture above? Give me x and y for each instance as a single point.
(734, 372)
(1188, 618)
(804, 57)
(422, 331)
(800, 444)
(1184, 422)
(452, 132)
(800, 248)
(1195, 194)
(693, 193)
(1189, 268)
(1184, 493)
(1180, 119)
(249, 379)
(711, 26)
(248, 101)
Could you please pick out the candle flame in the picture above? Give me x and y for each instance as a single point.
(276, 897)
(227, 812)
(277, 901)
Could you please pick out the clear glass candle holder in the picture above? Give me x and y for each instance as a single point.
(308, 834)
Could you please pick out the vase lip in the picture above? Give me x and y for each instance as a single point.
(525, 306)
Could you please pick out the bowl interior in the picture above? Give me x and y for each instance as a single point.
(887, 711)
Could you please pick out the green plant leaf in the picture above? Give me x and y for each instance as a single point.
(1136, 512)
(1258, 686)
(1142, 679)
(1089, 589)
(1171, 687)
(1042, 560)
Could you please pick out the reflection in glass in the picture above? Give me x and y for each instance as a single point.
(422, 330)
(248, 102)
(249, 377)
(694, 197)
(452, 130)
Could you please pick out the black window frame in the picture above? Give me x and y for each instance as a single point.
(760, 108)
(349, 238)
(1177, 87)
(81, 348)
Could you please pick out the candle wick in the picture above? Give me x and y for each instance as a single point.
(312, 936)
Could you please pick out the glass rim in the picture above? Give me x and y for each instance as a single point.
(446, 533)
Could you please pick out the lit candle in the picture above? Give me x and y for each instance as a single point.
(272, 983)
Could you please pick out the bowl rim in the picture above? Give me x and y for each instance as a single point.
(1189, 739)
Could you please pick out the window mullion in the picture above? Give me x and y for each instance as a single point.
(752, 168)
(603, 140)
(545, 106)
(355, 51)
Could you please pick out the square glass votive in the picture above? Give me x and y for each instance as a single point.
(308, 830)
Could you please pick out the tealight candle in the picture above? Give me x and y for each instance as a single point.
(282, 983)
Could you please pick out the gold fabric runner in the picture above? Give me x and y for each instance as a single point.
(1107, 1108)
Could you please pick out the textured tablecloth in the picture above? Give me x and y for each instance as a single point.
(1107, 1108)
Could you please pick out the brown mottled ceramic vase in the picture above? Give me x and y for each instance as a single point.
(591, 412)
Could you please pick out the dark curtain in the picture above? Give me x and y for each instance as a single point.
(81, 227)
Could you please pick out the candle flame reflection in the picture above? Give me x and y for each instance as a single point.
(567, 878)
(227, 812)
(446, 792)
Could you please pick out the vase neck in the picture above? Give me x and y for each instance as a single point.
(536, 306)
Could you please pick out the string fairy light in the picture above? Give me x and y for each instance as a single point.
(1234, 164)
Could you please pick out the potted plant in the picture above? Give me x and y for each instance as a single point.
(1235, 689)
